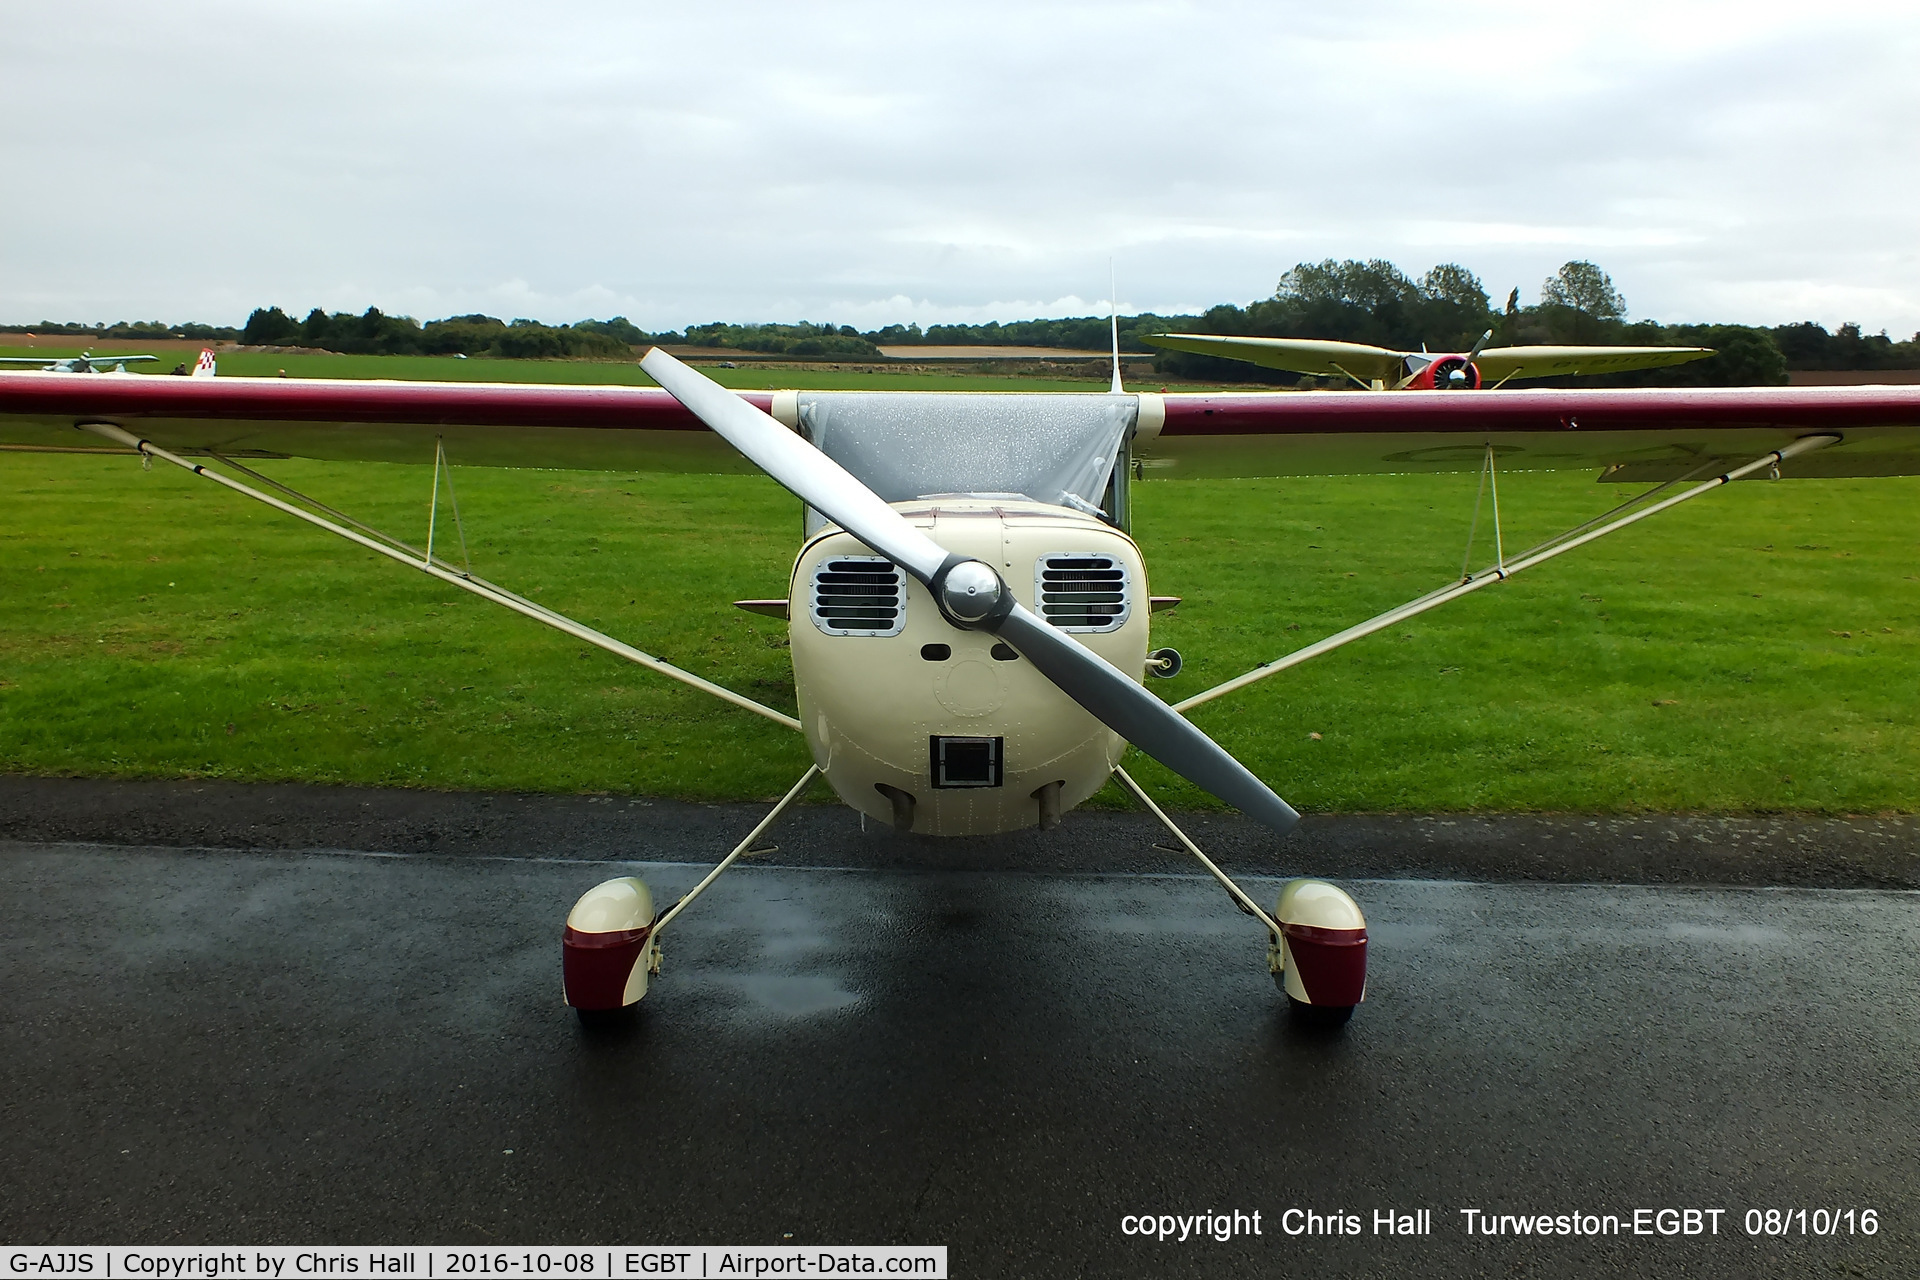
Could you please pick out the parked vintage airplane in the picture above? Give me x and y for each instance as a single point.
(1384, 369)
(969, 617)
(85, 362)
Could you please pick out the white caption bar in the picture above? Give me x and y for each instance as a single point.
(418, 1262)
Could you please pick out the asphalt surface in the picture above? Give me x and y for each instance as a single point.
(1837, 853)
(271, 1045)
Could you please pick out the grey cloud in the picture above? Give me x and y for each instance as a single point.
(863, 161)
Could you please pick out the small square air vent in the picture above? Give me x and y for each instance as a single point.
(1081, 591)
(967, 762)
(858, 596)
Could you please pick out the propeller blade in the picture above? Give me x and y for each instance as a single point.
(1128, 709)
(809, 474)
(973, 594)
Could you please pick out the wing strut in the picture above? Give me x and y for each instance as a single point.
(1577, 537)
(434, 567)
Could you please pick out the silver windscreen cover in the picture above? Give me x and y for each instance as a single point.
(906, 445)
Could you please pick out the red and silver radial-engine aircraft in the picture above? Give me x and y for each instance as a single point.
(1384, 369)
(970, 619)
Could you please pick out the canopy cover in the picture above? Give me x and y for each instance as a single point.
(906, 445)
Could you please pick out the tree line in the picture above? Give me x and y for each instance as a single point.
(134, 330)
(375, 333)
(1081, 333)
(1373, 301)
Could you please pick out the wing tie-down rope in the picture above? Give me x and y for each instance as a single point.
(415, 557)
(1578, 536)
(440, 464)
(394, 549)
(1499, 553)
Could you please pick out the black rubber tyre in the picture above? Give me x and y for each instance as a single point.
(1319, 1015)
(609, 1019)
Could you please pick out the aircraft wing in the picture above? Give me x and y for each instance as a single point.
(1300, 355)
(1632, 433)
(608, 428)
(1497, 364)
(47, 360)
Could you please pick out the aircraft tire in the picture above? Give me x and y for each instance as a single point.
(1326, 1016)
(609, 1019)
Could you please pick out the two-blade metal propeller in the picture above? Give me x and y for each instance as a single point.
(971, 595)
(1426, 361)
(1462, 375)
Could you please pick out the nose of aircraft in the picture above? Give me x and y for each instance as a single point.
(975, 593)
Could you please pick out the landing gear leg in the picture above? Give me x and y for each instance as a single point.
(611, 946)
(1316, 936)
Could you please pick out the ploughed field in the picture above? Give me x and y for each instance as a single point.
(1753, 651)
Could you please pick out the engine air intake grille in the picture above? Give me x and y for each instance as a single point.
(858, 596)
(1081, 592)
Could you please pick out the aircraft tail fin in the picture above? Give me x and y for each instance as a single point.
(203, 367)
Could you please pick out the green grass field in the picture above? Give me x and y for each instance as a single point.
(1753, 651)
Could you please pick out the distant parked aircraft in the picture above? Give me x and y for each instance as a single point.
(86, 362)
(1382, 369)
(82, 363)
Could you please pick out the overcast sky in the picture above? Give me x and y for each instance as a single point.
(867, 164)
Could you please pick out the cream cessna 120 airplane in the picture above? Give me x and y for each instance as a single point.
(969, 617)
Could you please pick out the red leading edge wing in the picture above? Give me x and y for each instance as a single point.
(1638, 434)
(1642, 433)
(607, 428)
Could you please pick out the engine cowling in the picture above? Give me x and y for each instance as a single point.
(1447, 373)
